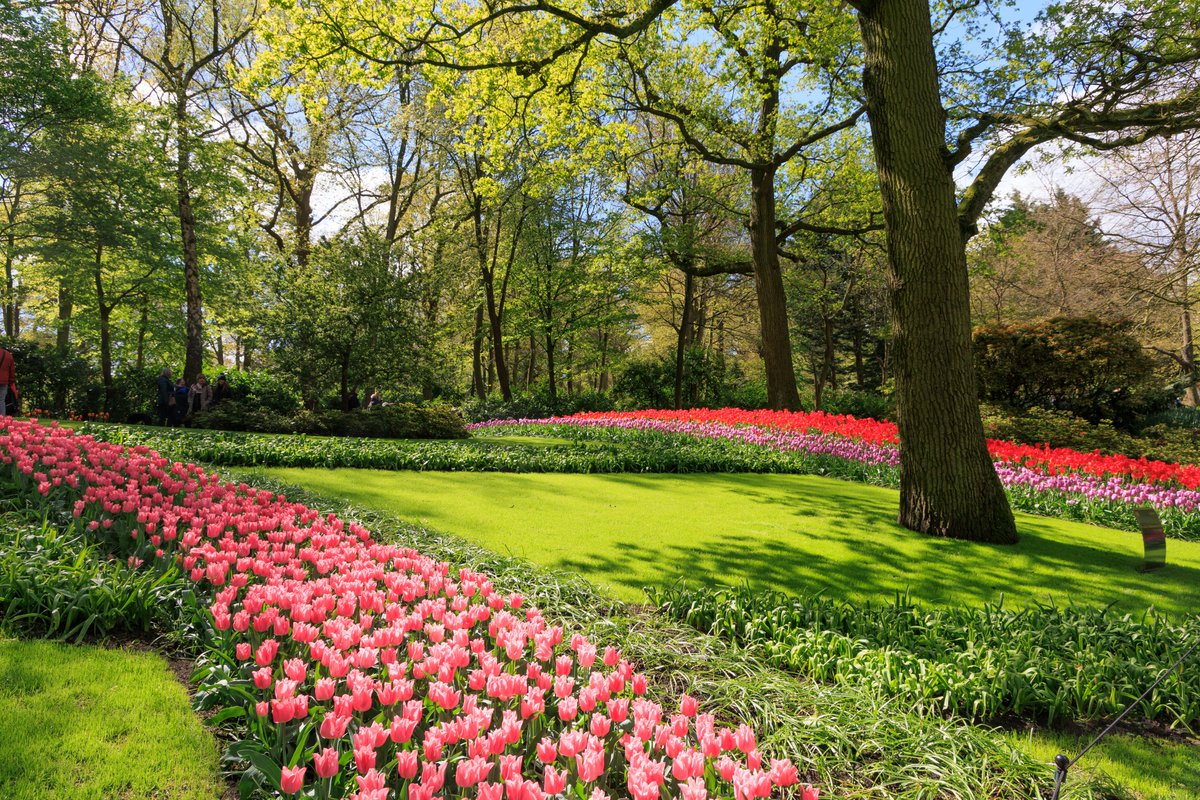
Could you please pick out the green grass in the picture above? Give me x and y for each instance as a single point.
(1152, 769)
(89, 722)
(789, 532)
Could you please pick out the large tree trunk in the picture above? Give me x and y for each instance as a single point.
(194, 354)
(772, 302)
(948, 484)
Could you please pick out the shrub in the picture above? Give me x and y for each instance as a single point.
(534, 406)
(262, 391)
(1091, 368)
(1056, 428)
(61, 383)
(400, 421)
(857, 404)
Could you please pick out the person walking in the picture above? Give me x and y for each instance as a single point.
(221, 390)
(166, 397)
(8, 379)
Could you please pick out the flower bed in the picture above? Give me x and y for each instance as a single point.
(1051, 481)
(369, 670)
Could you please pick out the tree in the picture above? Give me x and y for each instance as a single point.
(1151, 201)
(105, 216)
(185, 47)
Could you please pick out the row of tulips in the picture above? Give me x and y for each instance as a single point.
(1092, 494)
(1050, 460)
(369, 670)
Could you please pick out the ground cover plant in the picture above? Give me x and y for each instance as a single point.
(1042, 662)
(789, 532)
(356, 665)
(92, 723)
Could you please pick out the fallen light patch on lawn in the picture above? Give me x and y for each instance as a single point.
(792, 533)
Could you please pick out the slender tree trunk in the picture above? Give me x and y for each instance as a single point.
(948, 484)
(530, 371)
(685, 332)
(344, 385)
(304, 222)
(604, 361)
(1189, 356)
(220, 349)
(194, 353)
(66, 306)
(859, 370)
(12, 309)
(496, 324)
(551, 377)
(772, 301)
(143, 327)
(105, 311)
(477, 356)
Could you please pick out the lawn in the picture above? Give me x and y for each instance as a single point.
(90, 722)
(791, 532)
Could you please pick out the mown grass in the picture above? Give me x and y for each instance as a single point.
(1149, 768)
(794, 533)
(89, 723)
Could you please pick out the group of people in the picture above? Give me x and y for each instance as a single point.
(177, 401)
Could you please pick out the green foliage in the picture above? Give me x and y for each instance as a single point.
(1056, 428)
(263, 391)
(53, 381)
(864, 405)
(1092, 368)
(57, 585)
(533, 406)
(714, 382)
(398, 421)
(1042, 662)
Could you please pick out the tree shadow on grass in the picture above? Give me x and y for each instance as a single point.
(842, 540)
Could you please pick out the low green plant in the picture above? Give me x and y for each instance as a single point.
(1042, 662)
(56, 584)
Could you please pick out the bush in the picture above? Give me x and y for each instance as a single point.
(1091, 368)
(864, 405)
(400, 421)
(1057, 429)
(262, 391)
(50, 381)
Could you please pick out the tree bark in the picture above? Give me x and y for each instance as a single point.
(104, 311)
(477, 356)
(143, 328)
(772, 303)
(551, 378)
(948, 483)
(194, 353)
(12, 309)
(66, 306)
(685, 329)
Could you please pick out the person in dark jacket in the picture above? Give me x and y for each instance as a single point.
(181, 401)
(221, 390)
(166, 396)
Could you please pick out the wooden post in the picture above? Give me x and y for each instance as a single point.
(1154, 538)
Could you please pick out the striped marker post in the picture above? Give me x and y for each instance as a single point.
(1154, 539)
